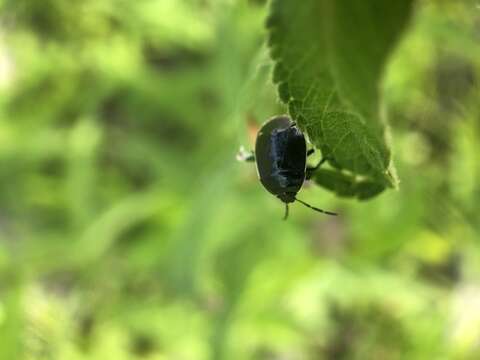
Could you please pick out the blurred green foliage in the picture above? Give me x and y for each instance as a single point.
(128, 231)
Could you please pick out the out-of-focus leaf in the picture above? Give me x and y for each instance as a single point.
(347, 185)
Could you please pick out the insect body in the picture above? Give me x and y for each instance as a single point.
(281, 159)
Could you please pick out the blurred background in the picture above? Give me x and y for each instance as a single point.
(129, 231)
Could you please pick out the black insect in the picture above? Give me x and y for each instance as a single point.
(281, 159)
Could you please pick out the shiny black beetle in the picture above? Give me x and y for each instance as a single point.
(281, 159)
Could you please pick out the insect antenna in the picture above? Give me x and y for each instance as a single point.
(315, 208)
(286, 212)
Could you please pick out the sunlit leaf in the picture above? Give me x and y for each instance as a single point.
(330, 56)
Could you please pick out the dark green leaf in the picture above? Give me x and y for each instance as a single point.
(346, 185)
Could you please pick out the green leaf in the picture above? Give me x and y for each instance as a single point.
(329, 58)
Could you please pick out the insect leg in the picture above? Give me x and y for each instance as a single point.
(244, 155)
(285, 217)
(310, 170)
